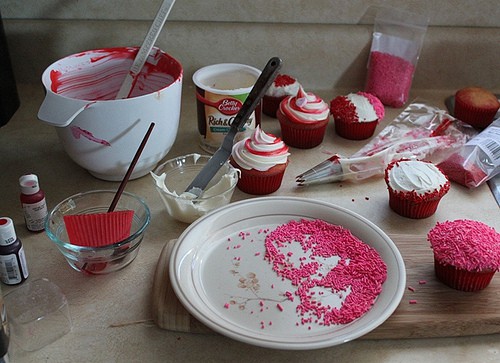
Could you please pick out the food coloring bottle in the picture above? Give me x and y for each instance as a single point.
(13, 267)
(33, 202)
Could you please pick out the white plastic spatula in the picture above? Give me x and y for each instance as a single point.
(147, 45)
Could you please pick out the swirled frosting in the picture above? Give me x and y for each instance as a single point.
(305, 107)
(416, 176)
(357, 107)
(282, 86)
(260, 151)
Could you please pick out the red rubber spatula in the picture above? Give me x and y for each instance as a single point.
(103, 229)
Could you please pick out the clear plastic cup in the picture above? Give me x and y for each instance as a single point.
(38, 314)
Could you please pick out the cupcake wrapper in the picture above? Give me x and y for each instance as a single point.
(476, 117)
(270, 105)
(260, 184)
(302, 136)
(461, 279)
(355, 130)
(411, 209)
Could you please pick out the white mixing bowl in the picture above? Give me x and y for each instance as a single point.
(101, 134)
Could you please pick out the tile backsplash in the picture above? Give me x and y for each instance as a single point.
(324, 43)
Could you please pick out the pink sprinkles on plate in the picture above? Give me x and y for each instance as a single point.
(360, 269)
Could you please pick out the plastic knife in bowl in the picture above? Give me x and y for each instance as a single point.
(260, 87)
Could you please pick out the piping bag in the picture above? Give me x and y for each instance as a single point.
(420, 132)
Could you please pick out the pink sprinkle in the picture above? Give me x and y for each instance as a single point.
(261, 303)
(226, 305)
(279, 306)
(257, 254)
(289, 254)
(422, 282)
(411, 288)
(389, 78)
(413, 302)
(319, 239)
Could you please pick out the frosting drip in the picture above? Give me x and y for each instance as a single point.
(416, 176)
(305, 107)
(260, 151)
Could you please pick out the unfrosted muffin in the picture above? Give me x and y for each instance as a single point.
(282, 86)
(415, 187)
(303, 119)
(476, 106)
(466, 253)
(356, 115)
(262, 160)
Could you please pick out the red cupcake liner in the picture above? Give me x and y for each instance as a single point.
(412, 209)
(270, 105)
(255, 184)
(301, 135)
(462, 280)
(477, 117)
(355, 130)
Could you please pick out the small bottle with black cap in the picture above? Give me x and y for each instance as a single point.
(13, 267)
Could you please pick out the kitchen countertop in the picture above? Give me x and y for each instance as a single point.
(112, 318)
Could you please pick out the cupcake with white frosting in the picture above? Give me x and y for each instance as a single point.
(261, 159)
(282, 86)
(356, 115)
(415, 187)
(303, 119)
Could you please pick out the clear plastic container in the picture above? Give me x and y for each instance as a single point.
(38, 314)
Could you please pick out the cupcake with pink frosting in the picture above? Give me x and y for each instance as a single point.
(356, 115)
(282, 86)
(261, 159)
(303, 119)
(466, 253)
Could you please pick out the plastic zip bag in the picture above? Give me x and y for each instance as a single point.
(397, 39)
(478, 160)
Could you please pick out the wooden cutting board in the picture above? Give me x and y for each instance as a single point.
(429, 309)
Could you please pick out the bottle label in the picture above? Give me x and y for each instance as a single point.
(10, 269)
(489, 142)
(24, 265)
(35, 214)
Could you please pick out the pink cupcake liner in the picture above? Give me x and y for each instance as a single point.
(355, 130)
(302, 135)
(462, 280)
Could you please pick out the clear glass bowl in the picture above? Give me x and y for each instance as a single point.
(174, 176)
(105, 259)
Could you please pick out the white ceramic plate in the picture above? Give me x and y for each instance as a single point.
(223, 280)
